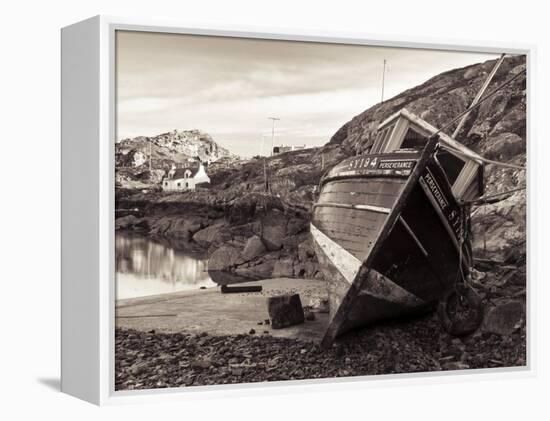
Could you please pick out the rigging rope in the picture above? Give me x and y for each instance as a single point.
(485, 199)
(481, 101)
(487, 160)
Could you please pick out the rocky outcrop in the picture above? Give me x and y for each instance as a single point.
(176, 147)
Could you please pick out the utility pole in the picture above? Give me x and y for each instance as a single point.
(150, 156)
(274, 119)
(266, 183)
(383, 80)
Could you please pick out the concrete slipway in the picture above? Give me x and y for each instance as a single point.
(210, 311)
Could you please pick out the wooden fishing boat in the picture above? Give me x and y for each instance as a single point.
(390, 229)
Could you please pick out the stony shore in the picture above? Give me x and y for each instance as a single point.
(166, 357)
(146, 360)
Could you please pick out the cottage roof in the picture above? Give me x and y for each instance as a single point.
(180, 172)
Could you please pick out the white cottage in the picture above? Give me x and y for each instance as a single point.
(185, 178)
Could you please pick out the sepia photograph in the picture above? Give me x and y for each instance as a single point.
(290, 210)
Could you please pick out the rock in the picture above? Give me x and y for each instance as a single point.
(504, 146)
(242, 210)
(260, 271)
(285, 310)
(505, 318)
(201, 364)
(309, 315)
(319, 305)
(274, 230)
(254, 247)
(138, 368)
(237, 371)
(208, 235)
(125, 222)
(224, 258)
(455, 365)
(283, 268)
(305, 251)
(471, 73)
(176, 227)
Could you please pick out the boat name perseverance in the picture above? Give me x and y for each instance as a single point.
(434, 188)
(375, 166)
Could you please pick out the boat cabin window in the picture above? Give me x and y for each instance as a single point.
(451, 164)
(413, 140)
(382, 139)
(404, 132)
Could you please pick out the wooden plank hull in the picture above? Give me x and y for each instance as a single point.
(387, 236)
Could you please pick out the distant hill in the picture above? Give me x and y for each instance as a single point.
(167, 148)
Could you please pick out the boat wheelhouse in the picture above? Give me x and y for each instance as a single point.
(390, 230)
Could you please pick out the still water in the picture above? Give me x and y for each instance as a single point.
(145, 267)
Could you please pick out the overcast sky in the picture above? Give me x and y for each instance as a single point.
(228, 87)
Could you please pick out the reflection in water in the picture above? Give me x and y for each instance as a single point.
(144, 267)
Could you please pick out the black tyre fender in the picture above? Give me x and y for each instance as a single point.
(460, 311)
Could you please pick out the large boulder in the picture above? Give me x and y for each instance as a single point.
(283, 268)
(285, 310)
(208, 235)
(274, 230)
(125, 222)
(262, 270)
(242, 210)
(224, 258)
(505, 318)
(254, 247)
(176, 227)
(504, 146)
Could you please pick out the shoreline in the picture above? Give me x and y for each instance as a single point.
(209, 311)
(146, 360)
(223, 340)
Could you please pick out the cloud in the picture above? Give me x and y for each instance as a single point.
(229, 86)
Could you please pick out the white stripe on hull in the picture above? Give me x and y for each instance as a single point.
(378, 209)
(348, 265)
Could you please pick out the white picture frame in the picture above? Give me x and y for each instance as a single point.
(88, 284)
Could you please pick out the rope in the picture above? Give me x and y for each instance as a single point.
(481, 101)
(487, 160)
(484, 199)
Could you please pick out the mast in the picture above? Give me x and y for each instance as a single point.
(479, 94)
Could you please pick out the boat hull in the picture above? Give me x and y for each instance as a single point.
(388, 241)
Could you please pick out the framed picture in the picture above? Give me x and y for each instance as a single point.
(247, 209)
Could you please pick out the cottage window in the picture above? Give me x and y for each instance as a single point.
(179, 184)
